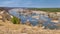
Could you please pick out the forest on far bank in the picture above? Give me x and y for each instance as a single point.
(47, 9)
(41, 9)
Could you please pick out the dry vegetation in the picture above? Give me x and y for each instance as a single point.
(9, 28)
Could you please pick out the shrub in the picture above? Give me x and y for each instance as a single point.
(15, 20)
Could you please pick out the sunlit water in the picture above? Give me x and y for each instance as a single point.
(35, 21)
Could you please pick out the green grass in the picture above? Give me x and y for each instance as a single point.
(47, 9)
(15, 20)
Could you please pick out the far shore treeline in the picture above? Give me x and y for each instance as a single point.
(47, 9)
(38, 9)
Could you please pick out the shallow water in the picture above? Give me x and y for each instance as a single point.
(34, 21)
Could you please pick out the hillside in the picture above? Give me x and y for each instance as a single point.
(9, 28)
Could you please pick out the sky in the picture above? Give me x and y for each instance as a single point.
(30, 3)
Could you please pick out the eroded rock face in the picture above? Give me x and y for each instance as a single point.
(5, 15)
(54, 16)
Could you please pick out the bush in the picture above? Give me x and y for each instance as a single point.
(15, 20)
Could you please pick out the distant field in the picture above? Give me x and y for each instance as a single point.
(47, 9)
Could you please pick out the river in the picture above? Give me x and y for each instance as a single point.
(35, 21)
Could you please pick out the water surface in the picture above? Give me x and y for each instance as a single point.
(34, 21)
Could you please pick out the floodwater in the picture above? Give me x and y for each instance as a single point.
(34, 21)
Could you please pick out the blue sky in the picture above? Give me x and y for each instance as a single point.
(30, 3)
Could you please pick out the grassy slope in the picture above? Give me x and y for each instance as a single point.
(9, 28)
